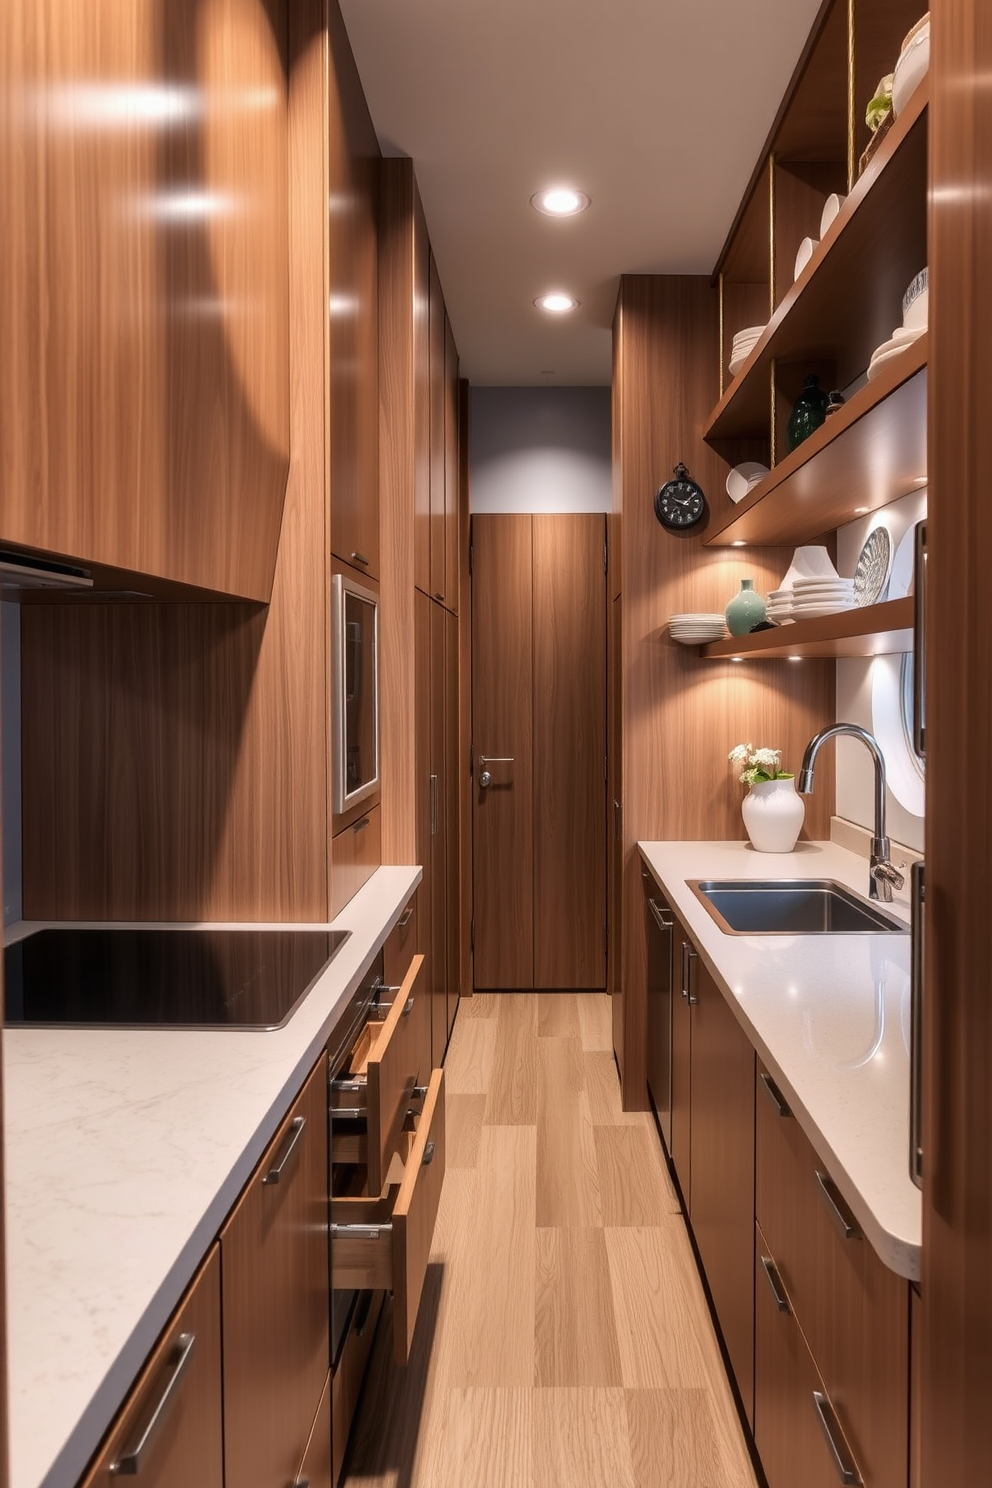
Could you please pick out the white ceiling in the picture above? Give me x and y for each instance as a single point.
(656, 108)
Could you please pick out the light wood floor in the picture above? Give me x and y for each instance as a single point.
(564, 1340)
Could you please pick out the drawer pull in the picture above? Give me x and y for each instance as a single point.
(846, 1470)
(405, 917)
(346, 1113)
(429, 1153)
(774, 1282)
(774, 1095)
(274, 1175)
(836, 1208)
(358, 1231)
(361, 558)
(360, 826)
(408, 1009)
(129, 1464)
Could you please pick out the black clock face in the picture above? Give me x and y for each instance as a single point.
(679, 504)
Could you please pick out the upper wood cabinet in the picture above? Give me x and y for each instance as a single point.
(353, 317)
(144, 194)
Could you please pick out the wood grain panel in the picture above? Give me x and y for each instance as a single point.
(465, 689)
(957, 1019)
(452, 801)
(801, 188)
(452, 505)
(502, 671)
(678, 722)
(355, 855)
(415, 1215)
(575, 1337)
(633, 1181)
(423, 448)
(681, 1153)
(675, 1438)
(145, 299)
(352, 407)
(275, 1314)
(722, 1169)
(423, 714)
(874, 630)
(316, 1467)
(512, 1098)
(438, 401)
(614, 807)
(190, 1448)
(580, 1438)
(346, 1383)
(568, 1189)
(438, 960)
(654, 1284)
(569, 703)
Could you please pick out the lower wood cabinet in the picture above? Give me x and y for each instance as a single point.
(169, 1429)
(681, 1062)
(356, 853)
(275, 1309)
(316, 1469)
(347, 1379)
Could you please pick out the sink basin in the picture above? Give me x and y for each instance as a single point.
(791, 906)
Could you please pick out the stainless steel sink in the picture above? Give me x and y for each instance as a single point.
(791, 906)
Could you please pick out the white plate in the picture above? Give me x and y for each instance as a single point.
(910, 70)
(805, 254)
(709, 618)
(750, 332)
(817, 612)
(901, 573)
(821, 586)
(882, 358)
(871, 573)
(743, 477)
(914, 318)
(831, 207)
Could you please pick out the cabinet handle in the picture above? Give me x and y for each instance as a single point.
(691, 957)
(129, 1464)
(274, 1175)
(846, 1470)
(616, 822)
(836, 1208)
(361, 558)
(433, 805)
(429, 1151)
(774, 1095)
(439, 596)
(361, 825)
(775, 1284)
(663, 917)
(919, 640)
(408, 1009)
(405, 917)
(917, 900)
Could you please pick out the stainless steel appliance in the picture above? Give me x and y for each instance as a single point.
(660, 934)
(136, 977)
(355, 691)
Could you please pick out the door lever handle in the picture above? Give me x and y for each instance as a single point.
(486, 779)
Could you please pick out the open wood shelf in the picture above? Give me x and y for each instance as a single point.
(871, 452)
(848, 299)
(876, 630)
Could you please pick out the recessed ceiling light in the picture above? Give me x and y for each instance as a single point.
(559, 201)
(557, 302)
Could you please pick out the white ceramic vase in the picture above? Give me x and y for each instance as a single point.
(773, 814)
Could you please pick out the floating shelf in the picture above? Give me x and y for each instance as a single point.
(849, 293)
(875, 630)
(869, 453)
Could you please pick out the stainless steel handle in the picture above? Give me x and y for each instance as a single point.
(433, 805)
(917, 901)
(129, 1464)
(429, 1151)
(691, 957)
(361, 558)
(360, 826)
(274, 1175)
(836, 1208)
(683, 984)
(920, 640)
(846, 1469)
(496, 759)
(772, 1277)
(774, 1095)
(663, 917)
(616, 821)
(405, 918)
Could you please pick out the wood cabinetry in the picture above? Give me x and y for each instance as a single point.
(316, 1469)
(170, 1428)
(145, 305)
(356, 852)
(275, 1310)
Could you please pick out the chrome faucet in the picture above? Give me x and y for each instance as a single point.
(884, 876)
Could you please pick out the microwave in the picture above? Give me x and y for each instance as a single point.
(354, 692)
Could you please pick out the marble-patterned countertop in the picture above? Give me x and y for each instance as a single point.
(125, 1151)
(829, 1017)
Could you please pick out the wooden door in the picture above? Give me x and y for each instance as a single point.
(437, 437)
(957, 1019)
(276, 1301)
(614, 826)
(502, 730)
(452, 517)
(569, 692)
(721, 1136)
(422, 790)
(450, 790)
(438, 973)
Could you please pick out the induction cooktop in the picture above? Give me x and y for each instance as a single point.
(151, 978)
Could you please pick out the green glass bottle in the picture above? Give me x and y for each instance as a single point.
(808, 412)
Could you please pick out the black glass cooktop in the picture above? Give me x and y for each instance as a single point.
(163, 978)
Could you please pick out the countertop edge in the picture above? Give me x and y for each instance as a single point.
(898, 1252)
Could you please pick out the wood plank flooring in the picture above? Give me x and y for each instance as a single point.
(564, 1340)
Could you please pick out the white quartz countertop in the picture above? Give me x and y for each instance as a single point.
(125, 1151)
(829, 1017)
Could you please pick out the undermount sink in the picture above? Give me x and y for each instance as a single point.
(791, 906)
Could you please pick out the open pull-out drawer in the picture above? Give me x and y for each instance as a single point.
(372, 1093)
(386, 1241)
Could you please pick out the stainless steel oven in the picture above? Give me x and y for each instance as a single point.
(355, 691)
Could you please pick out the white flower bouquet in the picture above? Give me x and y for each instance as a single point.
(759, 764)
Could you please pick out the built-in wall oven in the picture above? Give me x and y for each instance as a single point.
(660, 941)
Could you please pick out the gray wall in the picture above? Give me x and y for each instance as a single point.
(10, 747)
(540, 449)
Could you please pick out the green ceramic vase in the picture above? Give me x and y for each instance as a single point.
(808, 412)
(745, 610)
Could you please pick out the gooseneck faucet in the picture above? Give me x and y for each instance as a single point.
(884, 877)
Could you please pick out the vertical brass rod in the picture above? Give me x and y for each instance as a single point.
(851, 95)
(771, 234)
(721, 334)
(772, 460)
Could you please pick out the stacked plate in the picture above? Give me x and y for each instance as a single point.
(696, 630)
(744, 343)
(914, 323)
(779, 607)
(818, 596)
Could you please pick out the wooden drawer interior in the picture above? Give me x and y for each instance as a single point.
(384, 1241)
(348, 1376)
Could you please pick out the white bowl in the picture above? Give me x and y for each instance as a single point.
(917, 286)
(804, 255)
(743, 477)
(831, 207)
(910, 70)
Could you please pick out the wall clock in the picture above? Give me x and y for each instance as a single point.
(680, 503)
